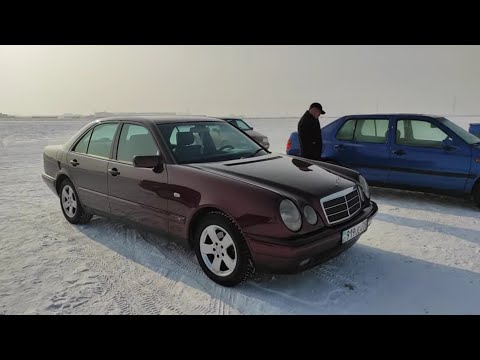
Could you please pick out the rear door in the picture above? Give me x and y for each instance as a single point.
(362, 144)
(88, 163)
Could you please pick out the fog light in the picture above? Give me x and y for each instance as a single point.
(310, 215)
(304, 262)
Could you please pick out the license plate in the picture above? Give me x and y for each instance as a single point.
(353, 232)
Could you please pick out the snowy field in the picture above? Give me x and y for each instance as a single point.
(421, 255)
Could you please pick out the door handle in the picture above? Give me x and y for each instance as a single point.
(114, 172)
(398, 152)
(74, 162)
(339, 147)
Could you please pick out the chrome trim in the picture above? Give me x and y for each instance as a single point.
(339, 195)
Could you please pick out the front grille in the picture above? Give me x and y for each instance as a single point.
(341, 206)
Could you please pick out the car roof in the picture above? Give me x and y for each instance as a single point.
(162, 119)
(394, 114)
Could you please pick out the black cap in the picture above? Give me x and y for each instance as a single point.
(317, 106)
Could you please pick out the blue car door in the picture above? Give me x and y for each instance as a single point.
(362, 143)
(426, 154)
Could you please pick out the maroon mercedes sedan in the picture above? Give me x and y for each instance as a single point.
(205, 182)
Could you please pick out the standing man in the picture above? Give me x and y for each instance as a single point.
(310, 133)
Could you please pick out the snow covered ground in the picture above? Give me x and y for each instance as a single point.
(421, 254)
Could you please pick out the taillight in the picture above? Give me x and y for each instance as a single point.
(289, 144)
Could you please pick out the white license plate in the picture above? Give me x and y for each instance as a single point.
(353, 232)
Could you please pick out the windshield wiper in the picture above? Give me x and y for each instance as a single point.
(256, 152)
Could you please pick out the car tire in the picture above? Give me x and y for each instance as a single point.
(476, 194)
(222, 251)
(70, 204)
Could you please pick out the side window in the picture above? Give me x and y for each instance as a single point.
(382, 128)
(371, 130)
(101, 140)
(242, 125)
(82, 145)
(346, 131)
(173, 137)
(135, 140)
(400, 135)
(419, 133)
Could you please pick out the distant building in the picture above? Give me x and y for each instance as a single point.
(71, 116)
(103, 114)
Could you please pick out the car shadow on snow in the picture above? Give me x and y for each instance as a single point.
(426, 202)
(462, 233)
(363, 280)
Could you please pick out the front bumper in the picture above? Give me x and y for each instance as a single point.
(294, 255)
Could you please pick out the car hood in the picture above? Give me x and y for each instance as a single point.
(255, 134)
(282, 174)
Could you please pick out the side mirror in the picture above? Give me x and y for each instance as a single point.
(154, 162)
(448, 144)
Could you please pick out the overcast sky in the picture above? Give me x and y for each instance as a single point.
(253, 81)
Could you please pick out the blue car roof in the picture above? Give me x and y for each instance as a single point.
(392, 114)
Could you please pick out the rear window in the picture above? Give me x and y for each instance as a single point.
(346, 131)
(364, 130)
(101, 140)
(82, 145)
(371, 130)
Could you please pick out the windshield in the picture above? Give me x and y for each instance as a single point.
(243, 125)
(239, 123)
(208, 142)
(462, 133)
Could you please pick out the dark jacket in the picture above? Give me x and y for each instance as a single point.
(310, 137)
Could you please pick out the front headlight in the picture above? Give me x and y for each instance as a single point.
(364, 186)
(290, 215)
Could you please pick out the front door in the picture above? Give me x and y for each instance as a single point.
(137, 194)
(425, 156)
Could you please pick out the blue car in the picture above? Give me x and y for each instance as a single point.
(475, 129)
(406, 151)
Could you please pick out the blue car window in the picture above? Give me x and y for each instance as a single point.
(419, 133)
(371, 130)
(346, 131)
